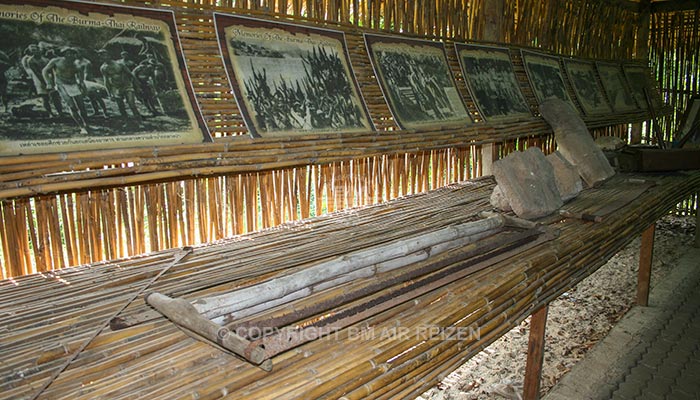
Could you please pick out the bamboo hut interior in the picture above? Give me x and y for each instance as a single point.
(86, 234)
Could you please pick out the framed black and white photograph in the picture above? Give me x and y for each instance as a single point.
(615, 87)
(589, 91)
(546, 77)
(639, 80)
(491, 81)
(78, 76)
(290, 79)
(416, 81)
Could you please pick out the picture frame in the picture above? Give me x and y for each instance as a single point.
(546, 77)
(615, 87)
(491, 80)
(638, 78)
(290, 79)
(416, 81)
(84, 76)
(586, 84)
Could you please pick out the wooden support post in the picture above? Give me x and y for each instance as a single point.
(493, 32)
(646, 253)
(641, 54)
(535, 354)
(487, 159)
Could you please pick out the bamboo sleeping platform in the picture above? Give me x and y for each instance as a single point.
(400, 352)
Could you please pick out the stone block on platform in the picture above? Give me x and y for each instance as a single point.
(527, 180)
(575, 142)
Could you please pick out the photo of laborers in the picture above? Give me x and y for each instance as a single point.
(640, 83)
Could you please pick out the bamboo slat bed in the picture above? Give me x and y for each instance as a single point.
(398, 353)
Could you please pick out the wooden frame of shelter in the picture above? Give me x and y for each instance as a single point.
(67, 209)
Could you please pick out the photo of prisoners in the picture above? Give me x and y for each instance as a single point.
(88, 81)
(416, 81)
(545, 77)
(492, 83)
(582, 76)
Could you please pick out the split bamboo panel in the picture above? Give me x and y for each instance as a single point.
(674, 52)
(576, 28)
(396, 354)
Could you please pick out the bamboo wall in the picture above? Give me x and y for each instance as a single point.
(120, 210)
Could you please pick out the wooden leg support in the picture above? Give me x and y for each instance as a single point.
(535, 354)
(646, 253)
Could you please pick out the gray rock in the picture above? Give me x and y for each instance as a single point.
(527, 181)
(575, 142)
(499, 201)
(566, 176)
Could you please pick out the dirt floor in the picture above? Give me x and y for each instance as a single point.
(577, 320)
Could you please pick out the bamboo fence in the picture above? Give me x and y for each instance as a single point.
(398, 353)
(68, 209)
(674, 44)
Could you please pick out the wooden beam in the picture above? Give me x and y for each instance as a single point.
(535, 354)
(641, 53)
(493, 20)
(646, 253)
(626, 4)
(674, 5)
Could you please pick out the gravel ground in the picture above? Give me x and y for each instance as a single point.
(577, 320)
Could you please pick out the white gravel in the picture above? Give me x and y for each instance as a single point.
(577, 320)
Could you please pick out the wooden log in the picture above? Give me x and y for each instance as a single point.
(182, 313)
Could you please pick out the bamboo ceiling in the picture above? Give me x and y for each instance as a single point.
(73, 208)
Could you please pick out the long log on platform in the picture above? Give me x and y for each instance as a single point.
(384, 257)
